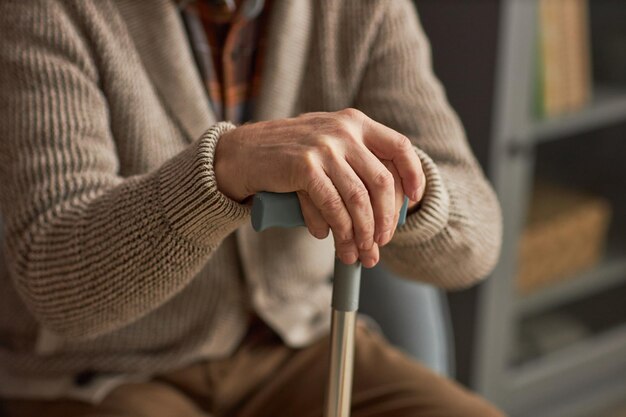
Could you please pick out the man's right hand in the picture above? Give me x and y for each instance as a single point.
(341, 164)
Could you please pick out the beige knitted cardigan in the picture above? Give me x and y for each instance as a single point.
(120, 254)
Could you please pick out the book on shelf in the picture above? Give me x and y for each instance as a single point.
(563, 82)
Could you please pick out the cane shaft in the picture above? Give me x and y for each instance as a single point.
(283, 210)
(339, 388)
(345, 303)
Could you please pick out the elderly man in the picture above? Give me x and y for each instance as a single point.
(132, 283)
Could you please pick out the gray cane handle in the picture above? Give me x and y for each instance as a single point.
(283, 210)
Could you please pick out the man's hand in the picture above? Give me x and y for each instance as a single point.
(350, 173)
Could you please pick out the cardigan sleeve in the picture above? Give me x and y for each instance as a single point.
(90, 251)
(453, 239)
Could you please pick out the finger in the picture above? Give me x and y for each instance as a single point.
(388, 144)
(380, 184)
(370, 257)
(356, 199)
(398, 193)
(326, 198)
(312, 217)
(422, 189)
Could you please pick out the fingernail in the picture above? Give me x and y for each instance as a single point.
(349, 258)
(321, 234)
(379, 237)
(369, 262)
(386, 238)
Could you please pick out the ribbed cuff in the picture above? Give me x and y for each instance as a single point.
(432, 215)
(190, 200)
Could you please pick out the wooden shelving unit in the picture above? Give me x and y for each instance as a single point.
(582, 377)
(610, 273)
(607, 107)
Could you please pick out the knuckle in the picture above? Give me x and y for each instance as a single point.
(387, 221)
(309, 159)
(323, 141)
(352, 113)
(351, 121)
(383, 179)
(352, 138)
(358, 197)
(332, 204)
(309, 169)
(404, 143)
(326, 145)
(342, 233)
(315, 185)
(365, 229)
(343, 239)
(327, 151)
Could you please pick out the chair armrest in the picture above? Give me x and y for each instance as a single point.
(413, 316)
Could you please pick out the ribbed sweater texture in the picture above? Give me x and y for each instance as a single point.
(120, 254)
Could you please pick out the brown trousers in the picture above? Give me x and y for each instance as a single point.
(264, 378)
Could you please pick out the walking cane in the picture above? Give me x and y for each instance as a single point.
(283, 210)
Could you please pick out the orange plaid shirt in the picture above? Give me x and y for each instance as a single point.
(228, 40)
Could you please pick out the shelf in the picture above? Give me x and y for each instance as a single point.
(607, 107)
(557, 373)
(608, 274)
(595, 360)
(608, 347)
(605, 396)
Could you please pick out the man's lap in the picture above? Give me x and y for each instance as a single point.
(266, 378)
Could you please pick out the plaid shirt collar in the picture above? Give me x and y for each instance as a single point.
(228, 42)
